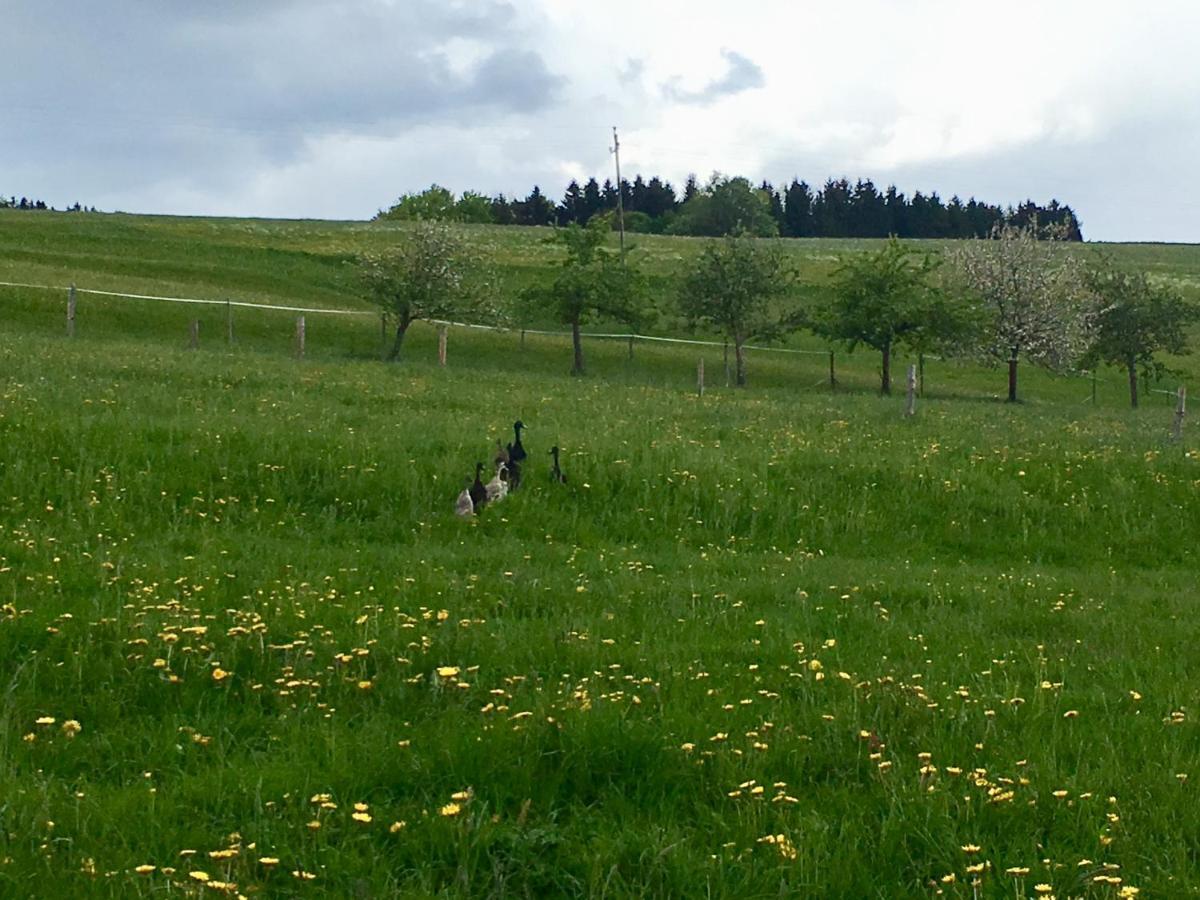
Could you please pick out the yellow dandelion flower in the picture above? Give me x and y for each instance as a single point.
(1071, 714)
(363, 817)
(144, 869)
(365, 685)
(45, 720)
(268, 861)
(448, 671)
(71, 728)
(1043, 888)
(219, 674)
(1017, 871)
(398, 825)
(314, 824)
(302, 875)
(971, 848)
(199, 876)
(450, 809)
(461, 796)
(361, 807)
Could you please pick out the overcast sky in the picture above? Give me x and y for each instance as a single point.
(332, 108)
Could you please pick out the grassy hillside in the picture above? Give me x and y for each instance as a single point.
(308, 263)
(769, 642)
(258, 258)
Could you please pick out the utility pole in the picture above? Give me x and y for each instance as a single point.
(616, 151)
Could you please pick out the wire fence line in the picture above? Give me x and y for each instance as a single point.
(239, 303)
(624, 336)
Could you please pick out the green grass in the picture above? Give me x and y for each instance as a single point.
(730, 592)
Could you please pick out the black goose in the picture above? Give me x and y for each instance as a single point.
(477, 490)
(516, 453)
(555, 472)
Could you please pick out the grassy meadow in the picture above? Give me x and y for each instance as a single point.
(770, 642)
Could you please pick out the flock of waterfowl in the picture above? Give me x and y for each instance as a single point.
(508, 459)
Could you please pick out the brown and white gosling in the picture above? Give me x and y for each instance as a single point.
(497, 488)
(465, 506)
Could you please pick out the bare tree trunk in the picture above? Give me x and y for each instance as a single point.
(885, 372)
(1012, 376)
(577, 343)
(1133, 382)
(401, 328)
(739, 353)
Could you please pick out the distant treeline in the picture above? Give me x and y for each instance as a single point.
(839, 209)
(26, 203)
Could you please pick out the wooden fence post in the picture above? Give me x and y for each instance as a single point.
(1180, 410)
(229, 323)
(522, 338)
(921, 374)
(1093, 387)
(631, 346)
(194, 335)
(71, 311)
(441, 345)
(726, 362)
(912, 391)
(832, 375)
(700, 377)
(300, 337)
(383, 335)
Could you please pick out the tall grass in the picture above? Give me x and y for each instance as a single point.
(775, 613)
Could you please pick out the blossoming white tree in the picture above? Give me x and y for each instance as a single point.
(1034, 294)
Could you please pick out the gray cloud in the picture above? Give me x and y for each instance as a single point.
(743, 75)
(203, 93)
(631, 72)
